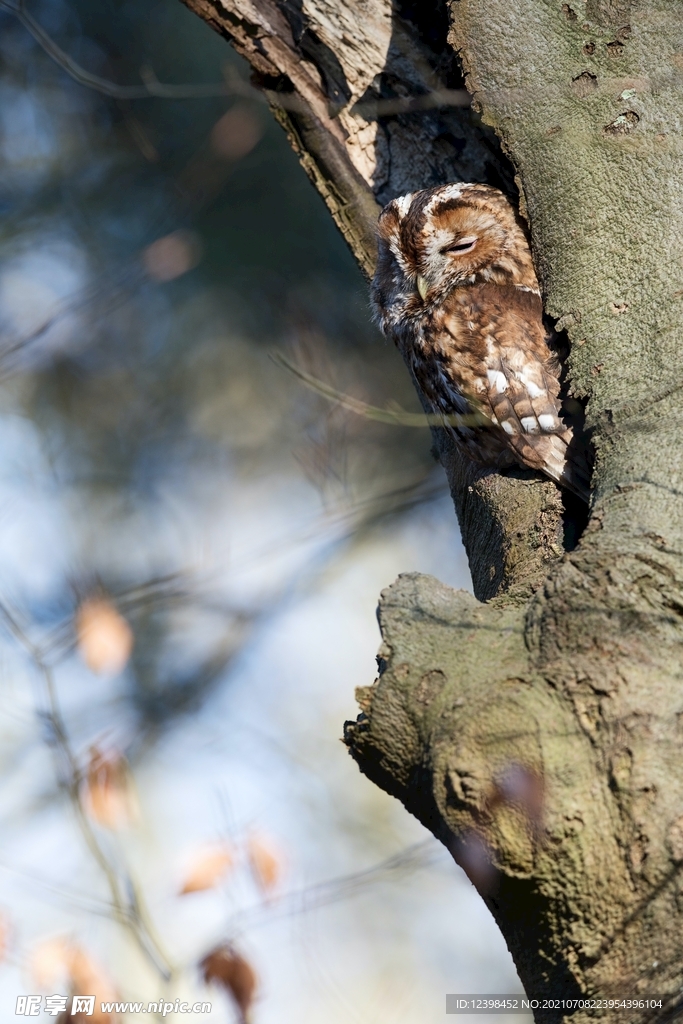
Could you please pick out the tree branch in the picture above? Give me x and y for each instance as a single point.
(327, 70)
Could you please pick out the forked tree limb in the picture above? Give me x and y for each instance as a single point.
(323, 67)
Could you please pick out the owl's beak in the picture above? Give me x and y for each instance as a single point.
(422, 286)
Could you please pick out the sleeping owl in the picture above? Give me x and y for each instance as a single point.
(456, 290)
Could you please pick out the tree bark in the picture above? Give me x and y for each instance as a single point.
(539, 735)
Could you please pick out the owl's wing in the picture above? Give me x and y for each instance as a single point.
(500, 357)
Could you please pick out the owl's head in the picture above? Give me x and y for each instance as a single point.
(434, 240)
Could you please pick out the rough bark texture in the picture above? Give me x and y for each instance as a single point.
(539, 735)
(335, 74)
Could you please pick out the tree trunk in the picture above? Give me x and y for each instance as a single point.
(539, 735)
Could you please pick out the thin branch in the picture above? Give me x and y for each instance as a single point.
(395, 417)
(114, 297)
(152, 88)
(372, 110)
(314, 897)
(131, 914)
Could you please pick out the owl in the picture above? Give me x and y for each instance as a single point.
(456, 290)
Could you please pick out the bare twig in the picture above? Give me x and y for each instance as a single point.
(395, 417)
(113, 291)
(151, 87)
(303, 901)
(131, 913)
(372, 110)
(233, 85)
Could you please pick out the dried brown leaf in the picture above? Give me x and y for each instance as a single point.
(60, 961)
(88, 978)
(236, 134)
(108, 795)
(226, 967)
(265, 862)
(207, 867)
(105, 640)
(48, 962)
(172, 256)
(5, 934)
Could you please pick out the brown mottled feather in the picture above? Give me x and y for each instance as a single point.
(473, 336)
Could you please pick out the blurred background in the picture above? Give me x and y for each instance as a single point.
(192, 545)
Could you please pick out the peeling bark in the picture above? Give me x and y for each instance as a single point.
(539, 735)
